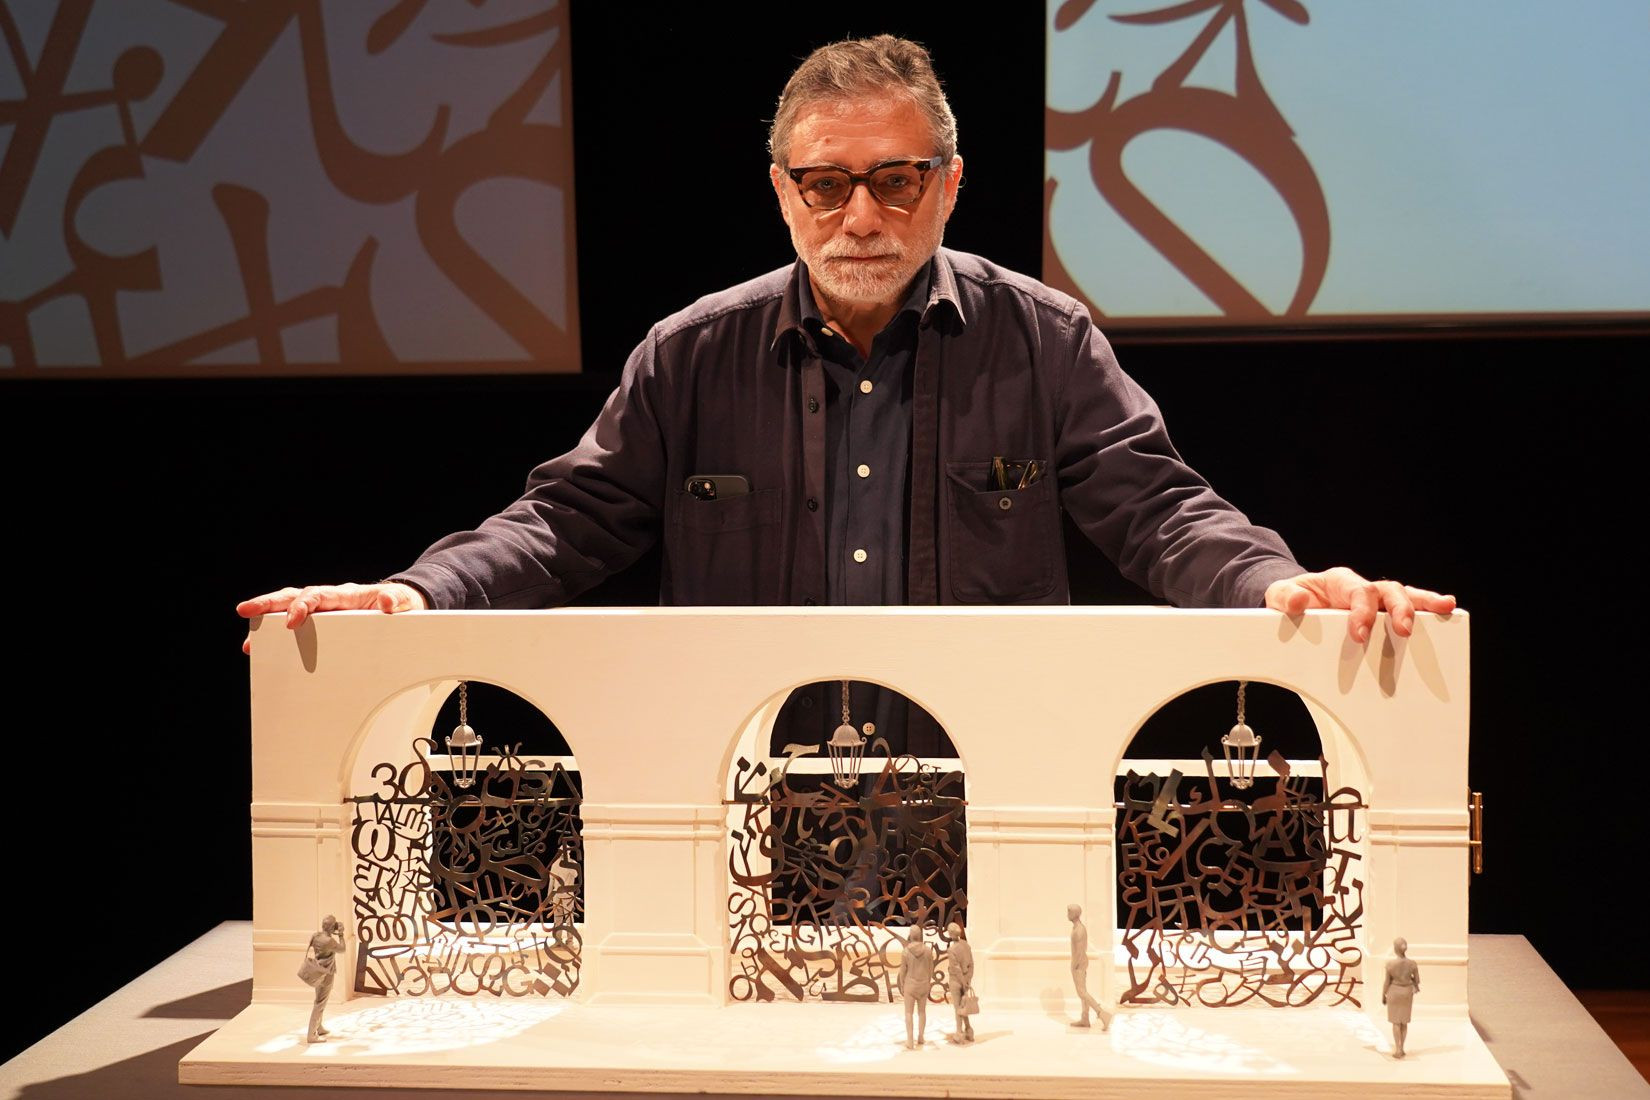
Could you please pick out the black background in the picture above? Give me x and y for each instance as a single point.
(1496, 465)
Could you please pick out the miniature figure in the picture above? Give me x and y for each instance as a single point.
(1403, 981)
(1080, 969)
(963, 998)
(319, 967)
(916, 977)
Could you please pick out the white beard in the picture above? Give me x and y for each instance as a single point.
(883, 282)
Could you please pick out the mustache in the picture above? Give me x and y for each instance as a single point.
(847, 250)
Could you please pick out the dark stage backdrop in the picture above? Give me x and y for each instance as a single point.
(1502, 467)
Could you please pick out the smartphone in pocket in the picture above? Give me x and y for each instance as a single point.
(716, 486)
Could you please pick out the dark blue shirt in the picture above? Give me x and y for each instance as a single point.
(867, 450)
(1004, 366)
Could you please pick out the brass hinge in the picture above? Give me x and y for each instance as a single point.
(1475, 841)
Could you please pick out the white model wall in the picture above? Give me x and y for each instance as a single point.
(655, 703)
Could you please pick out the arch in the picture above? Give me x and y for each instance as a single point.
(821, 874)
(462, 880)
(1228, 894)
(1341, 746)
(758, 723)
(415, 706)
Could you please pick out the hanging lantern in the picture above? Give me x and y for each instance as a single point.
(846, 747)
(1242, 747)
(464, 744)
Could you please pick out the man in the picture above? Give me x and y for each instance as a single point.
(960, 973)
(885, 422)
(1080, 970)
(324, 947)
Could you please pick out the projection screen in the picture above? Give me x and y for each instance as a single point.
(1276, 162)
(193, 187)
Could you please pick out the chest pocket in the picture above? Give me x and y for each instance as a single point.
(725, 551)
(1001, 542)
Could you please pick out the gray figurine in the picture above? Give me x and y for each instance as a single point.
(1080, 969)
(1403, 981)
(319, 968)
(916, 977)
(963, 998)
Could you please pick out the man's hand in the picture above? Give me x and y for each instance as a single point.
(300, 603)
(1341, 588)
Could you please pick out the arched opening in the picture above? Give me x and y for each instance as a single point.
(467, 853)
(1240, 854)
(838, 854)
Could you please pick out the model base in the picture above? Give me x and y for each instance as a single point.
(844, 1050)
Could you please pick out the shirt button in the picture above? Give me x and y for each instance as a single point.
(864, 470)
(813, 505)
(1005, 503)
(813, 404)
(860, 555)
(865, 386)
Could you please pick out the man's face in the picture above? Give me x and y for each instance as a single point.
(864, 253)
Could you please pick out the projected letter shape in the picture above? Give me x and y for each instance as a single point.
(1246, 121)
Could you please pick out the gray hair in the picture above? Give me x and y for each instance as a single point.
(858, 68)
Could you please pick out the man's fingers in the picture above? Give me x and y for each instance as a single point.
(300, 603)
(1403, 601)
(394, 596)
(266, 604)
(246, 645)
(298, 610)
(1297, 600)
(1400, 608)
(327, 597)
(1363, 601)
(1289, 596)
(1427, 600)
(1341, 587)
(1344, 587)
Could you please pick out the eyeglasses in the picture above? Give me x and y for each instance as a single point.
(892, 183)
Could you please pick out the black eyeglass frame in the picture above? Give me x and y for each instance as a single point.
(922, 167)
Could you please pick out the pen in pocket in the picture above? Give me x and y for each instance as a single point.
(1002, 471)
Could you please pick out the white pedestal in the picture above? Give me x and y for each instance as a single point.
(845, 1050)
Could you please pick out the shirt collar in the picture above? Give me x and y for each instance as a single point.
(933, 291)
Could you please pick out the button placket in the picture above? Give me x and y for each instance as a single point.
(865, 526)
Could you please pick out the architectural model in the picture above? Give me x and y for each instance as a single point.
(681, 905)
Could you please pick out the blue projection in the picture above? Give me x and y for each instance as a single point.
(1263, 161)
